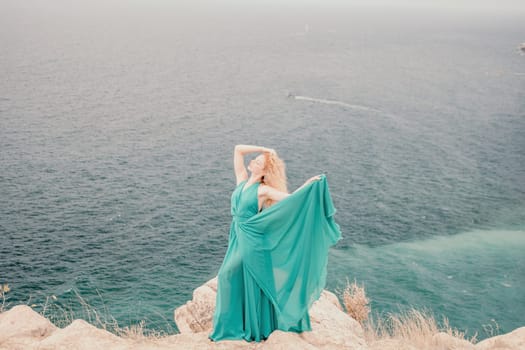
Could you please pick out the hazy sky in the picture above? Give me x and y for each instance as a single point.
(469, 5)
(491, 11)
(517, 5)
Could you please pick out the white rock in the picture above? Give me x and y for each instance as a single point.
(447, 341)
(81, 335)
(280, 340)
(196, 315)
(21, 326)
(330, 322)
(514, 340)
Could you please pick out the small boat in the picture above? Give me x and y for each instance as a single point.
(522, 47)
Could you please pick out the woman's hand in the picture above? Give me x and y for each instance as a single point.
(269, 150)
(313, 178)
(310, 180)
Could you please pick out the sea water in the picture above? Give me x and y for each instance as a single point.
(118, 122)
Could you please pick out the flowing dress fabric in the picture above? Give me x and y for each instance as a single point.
(275, 265)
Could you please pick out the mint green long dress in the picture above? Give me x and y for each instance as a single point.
(275, 265)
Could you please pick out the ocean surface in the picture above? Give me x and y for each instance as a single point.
(118, 122)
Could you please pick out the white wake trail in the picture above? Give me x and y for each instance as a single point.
(398, 121)
(337, 103)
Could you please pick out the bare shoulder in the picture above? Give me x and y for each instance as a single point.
(267, 191)
(263, 189)
(241, 177)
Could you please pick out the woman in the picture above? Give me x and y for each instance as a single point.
(275, 265)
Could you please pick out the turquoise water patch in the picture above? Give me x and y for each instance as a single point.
(474, 278)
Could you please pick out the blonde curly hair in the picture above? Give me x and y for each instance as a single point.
(275, 175)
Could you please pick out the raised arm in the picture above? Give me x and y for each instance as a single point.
(268, 192)
(238, 159)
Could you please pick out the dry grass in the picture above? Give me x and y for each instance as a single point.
(412, 328)
(415, 328)
(63, 315)
(355, 301)
(138, 332)
(4, 289)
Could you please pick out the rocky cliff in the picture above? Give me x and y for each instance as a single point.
(23, 328)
